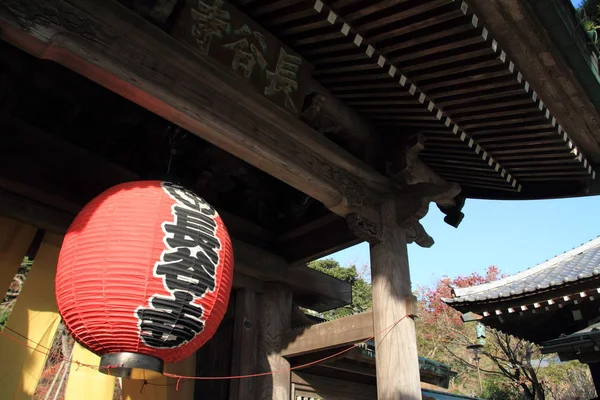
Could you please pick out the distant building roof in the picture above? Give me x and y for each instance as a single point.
(582, 345)
(578, 264)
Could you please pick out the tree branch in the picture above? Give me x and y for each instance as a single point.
(469, 364)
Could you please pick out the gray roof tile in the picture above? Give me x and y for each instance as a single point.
(580, 263)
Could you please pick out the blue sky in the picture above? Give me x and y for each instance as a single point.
(513, 235)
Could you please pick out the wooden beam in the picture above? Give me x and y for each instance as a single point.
(172, 80)
(37, 165)
(311, 288)
(248, 231)
(62, 191)
(253, 266)
(56, 172)
(317, 239)
(340, 332)
(60, 185)
(340, 365)
(34, 213)
(329, 115)
(275, 318)
(243, 281)
(308, 228)
(258, 263)
(243, 353)
(333, 389)
(395, 345)
(316, 290)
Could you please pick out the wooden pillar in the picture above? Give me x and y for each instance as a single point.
(595, 371)
(35, 316)
(275, 318)
(243, 357)
(214, 359)
(396, 350)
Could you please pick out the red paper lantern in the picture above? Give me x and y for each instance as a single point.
(144, 276)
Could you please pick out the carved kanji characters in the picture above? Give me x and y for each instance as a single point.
(283, 79)
(210, 20)
(246, 54)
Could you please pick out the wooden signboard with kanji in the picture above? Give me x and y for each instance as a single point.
(216, 29)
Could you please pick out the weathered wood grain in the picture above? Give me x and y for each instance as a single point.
(243, 353)
(340, 332)
(214, 359)
(275, 318)
(396, 349)
(152, 69)
(223, 33)
(530, 46)
(333, 389)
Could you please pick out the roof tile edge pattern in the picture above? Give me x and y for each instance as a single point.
(347, 30)
(462, 293)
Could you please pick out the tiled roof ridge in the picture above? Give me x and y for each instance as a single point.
(461, 292)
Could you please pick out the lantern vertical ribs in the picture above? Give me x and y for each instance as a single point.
(144, 276)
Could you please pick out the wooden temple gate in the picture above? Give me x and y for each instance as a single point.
(305, 123)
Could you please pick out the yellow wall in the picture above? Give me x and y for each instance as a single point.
(187, 367)
(36, 316)
(87, 383)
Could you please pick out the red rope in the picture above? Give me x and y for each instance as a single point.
(183, 378)
(179, 377)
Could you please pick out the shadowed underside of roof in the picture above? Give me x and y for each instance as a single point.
(433, 67)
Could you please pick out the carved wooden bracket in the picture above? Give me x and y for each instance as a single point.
(364, 229)
(407, 169)
(413, 204)
(406, 166)
(454, 216)
(415, 232)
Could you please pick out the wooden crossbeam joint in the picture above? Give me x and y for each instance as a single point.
(412, 306)
(336, 333)
(363, 228)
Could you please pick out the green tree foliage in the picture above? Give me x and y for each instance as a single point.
(361, 289)
(567, 381)
(589, 14)
(497, 388)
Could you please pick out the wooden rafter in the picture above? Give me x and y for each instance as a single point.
(517, 28)
(404, 83)
(443, 49)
